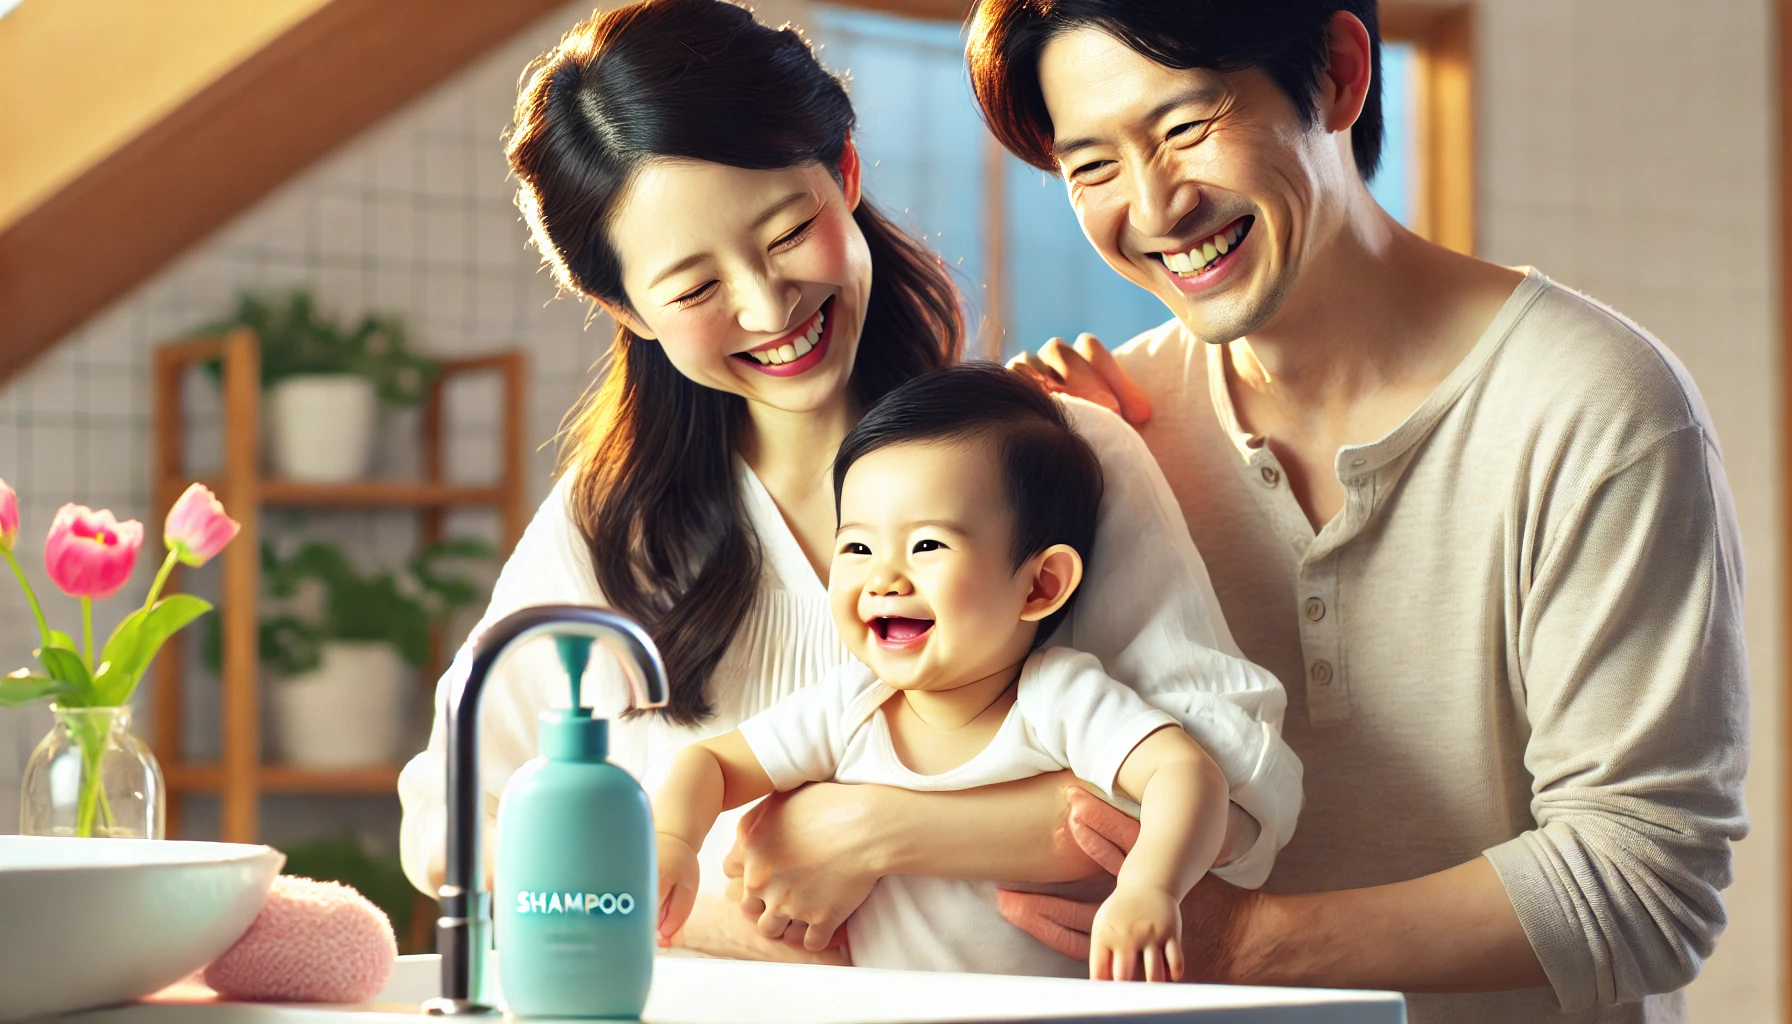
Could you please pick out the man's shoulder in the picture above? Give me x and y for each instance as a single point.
(1573, 360)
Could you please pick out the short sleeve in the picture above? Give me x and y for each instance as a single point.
(802, 737)
(1147, 611)
(550, 565)
(1079, 716)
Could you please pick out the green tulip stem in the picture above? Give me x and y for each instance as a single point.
(87, 630)
(155, 589)
(43, 628)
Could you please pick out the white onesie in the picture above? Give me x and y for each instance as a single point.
(1067, 713)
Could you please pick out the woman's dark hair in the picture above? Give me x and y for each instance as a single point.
(657, 493)
(1049, 473)
(1287, 40)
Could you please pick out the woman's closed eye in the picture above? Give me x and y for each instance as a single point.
(695, 295)
(794, 235)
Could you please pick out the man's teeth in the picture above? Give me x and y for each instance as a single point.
(1200, 257)
(790, 352)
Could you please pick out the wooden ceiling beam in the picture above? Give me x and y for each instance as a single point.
(118, 223)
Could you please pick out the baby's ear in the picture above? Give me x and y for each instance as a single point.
(1056, 572)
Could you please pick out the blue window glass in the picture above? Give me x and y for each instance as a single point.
(1395, 185)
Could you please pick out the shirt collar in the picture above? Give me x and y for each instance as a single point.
(1356, 460)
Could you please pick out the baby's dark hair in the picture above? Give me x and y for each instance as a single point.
(1051, 475)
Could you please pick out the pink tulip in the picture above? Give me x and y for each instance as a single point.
(197, 527)
(90, 554)
(9, 517)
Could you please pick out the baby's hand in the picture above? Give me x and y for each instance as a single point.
(679, 875)
(1136, 923)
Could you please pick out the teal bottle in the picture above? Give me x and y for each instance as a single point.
(576, 876)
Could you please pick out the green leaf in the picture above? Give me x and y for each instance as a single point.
(66, 667)
(62, 641)
(22, 688)
(136, 641)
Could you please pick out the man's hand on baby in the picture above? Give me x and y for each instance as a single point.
(679, 875)
(1087, 370)
(1137, 933)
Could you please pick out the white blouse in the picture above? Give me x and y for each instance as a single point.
(1146, 609)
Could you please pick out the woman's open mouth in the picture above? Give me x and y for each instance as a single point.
(797, 351)
(893, 631)
(1207, 257)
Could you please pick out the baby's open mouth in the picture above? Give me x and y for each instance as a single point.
(892, 629)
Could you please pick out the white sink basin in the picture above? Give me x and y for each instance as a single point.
(700, 991)
(87, 922)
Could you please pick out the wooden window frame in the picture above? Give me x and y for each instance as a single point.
(1443, 37)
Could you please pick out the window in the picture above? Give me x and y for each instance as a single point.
(1007, 230)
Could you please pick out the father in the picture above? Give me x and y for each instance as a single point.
(1476, 522)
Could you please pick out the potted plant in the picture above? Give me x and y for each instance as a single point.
(325, 383)
(344, 657)
(90, 776)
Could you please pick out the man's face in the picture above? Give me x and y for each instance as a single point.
(1205, 188)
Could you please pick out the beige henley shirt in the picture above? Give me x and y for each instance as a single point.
(1522, 636)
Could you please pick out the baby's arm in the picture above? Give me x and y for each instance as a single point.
(706, 778)
(1182, 824)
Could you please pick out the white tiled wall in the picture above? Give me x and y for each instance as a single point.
(1624, 151)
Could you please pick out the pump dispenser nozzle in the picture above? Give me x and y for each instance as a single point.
(575, 654)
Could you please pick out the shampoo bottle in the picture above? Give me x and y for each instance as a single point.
(576, 872)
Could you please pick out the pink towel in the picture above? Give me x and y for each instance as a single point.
(313, 942)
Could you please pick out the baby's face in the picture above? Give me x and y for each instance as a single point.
(923, 584)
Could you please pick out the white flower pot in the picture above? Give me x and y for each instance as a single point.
(348, 712)
(322, 427)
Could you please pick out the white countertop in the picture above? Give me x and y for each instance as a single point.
(702, 991)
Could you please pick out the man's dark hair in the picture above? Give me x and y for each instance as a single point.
(1050, 474)
(1287, 39)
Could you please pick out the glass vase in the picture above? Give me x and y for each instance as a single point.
(90, 777)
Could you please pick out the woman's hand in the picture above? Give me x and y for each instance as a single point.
(1087, 370)
(1215, 914)
(804, 856)
(716, 927)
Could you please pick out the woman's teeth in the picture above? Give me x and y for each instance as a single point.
(1202, 256)
(790, 352)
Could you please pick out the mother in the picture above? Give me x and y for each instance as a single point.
(691, 171)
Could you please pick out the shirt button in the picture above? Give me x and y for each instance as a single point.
(1358, 463)
(1271, 476)
(1315, 609)
(1322, 672)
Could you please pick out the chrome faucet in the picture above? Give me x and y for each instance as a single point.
(464, 930)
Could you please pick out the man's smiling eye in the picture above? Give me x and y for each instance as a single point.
(1092, 167)
(1184, 128)
(927, 545)
(795, 235)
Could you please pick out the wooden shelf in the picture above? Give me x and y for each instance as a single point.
(369, 494)
(286, 778)
(238, 777)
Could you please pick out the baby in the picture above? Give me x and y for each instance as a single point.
(965, 503)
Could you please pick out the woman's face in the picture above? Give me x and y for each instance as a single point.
(754, 282)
